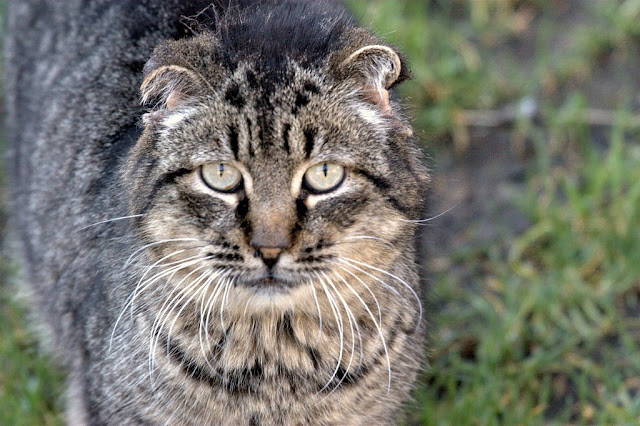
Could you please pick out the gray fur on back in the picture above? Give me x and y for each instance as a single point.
(84, 150)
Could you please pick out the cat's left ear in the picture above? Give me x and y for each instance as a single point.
(376, 68)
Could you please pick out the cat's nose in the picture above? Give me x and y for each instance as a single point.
(269, 242)
(270, 231)
(269, 255)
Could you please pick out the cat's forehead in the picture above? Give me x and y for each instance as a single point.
(290, 116)
(283, 90)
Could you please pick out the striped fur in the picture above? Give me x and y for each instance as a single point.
(161, 303)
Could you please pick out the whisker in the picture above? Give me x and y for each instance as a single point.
(182, 263)
(352, 321)
(375, 299)
(205, 289)
(400, 280)
(154, 244)
(184, 296)
(110, 220)
(378, 327)
(164, 312)
(429, 219)
(384, 283)
(147, 268)
(223, 303)
(135, 292)
(211, 303)
(338, 317)
(315, 298)
(220, 287)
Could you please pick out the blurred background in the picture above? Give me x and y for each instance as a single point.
(529, 111)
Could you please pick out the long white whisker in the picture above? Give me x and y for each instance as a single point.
(220, 287)
(211, 303)
(154, 244)
(185, 295)
(205, 289)
(361, 237)
(338, 317)
(224, 302)
(384, 283)
(355, 238)
(375, 299)
(429, 219)
(378, 327)
(174, 303)
(315, 298)
(347, 261)
(143, 286)
(352, 321)
(110, 220)
(135, 292)
(163, 313)
(172, 263)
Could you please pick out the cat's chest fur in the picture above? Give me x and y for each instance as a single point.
(241, 248)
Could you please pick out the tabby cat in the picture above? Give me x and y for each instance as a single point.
(217, 205)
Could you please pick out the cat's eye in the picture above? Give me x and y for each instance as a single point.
(324, 177)
(221, 177)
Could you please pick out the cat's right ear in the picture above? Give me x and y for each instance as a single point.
(169, 87)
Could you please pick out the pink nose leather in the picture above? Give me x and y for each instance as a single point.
(270, 252)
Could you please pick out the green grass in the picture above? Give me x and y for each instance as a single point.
(30, 388)
(540, 327)
(551, 330)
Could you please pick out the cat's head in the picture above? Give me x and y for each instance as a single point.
(264, 181)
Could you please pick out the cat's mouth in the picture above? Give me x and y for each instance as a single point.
(271, 281)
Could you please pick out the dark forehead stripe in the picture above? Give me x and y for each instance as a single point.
(252, 80)
(309, 140)
(285, 138)
(302, 100)
(264, 142)
(311, 87)
(233, 141)
(250, 140)
(303, 97)
(234, 97)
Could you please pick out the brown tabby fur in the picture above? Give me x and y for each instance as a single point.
(177, 317)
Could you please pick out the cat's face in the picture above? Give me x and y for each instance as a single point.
(263, 195)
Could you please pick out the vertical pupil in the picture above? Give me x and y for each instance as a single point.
(220, 170)
(325, 168)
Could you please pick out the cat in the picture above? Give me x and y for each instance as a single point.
(217, 206)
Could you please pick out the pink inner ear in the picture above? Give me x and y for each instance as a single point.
(173, 99)
(378, 96)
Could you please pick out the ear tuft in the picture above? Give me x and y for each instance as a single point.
(169, 86)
